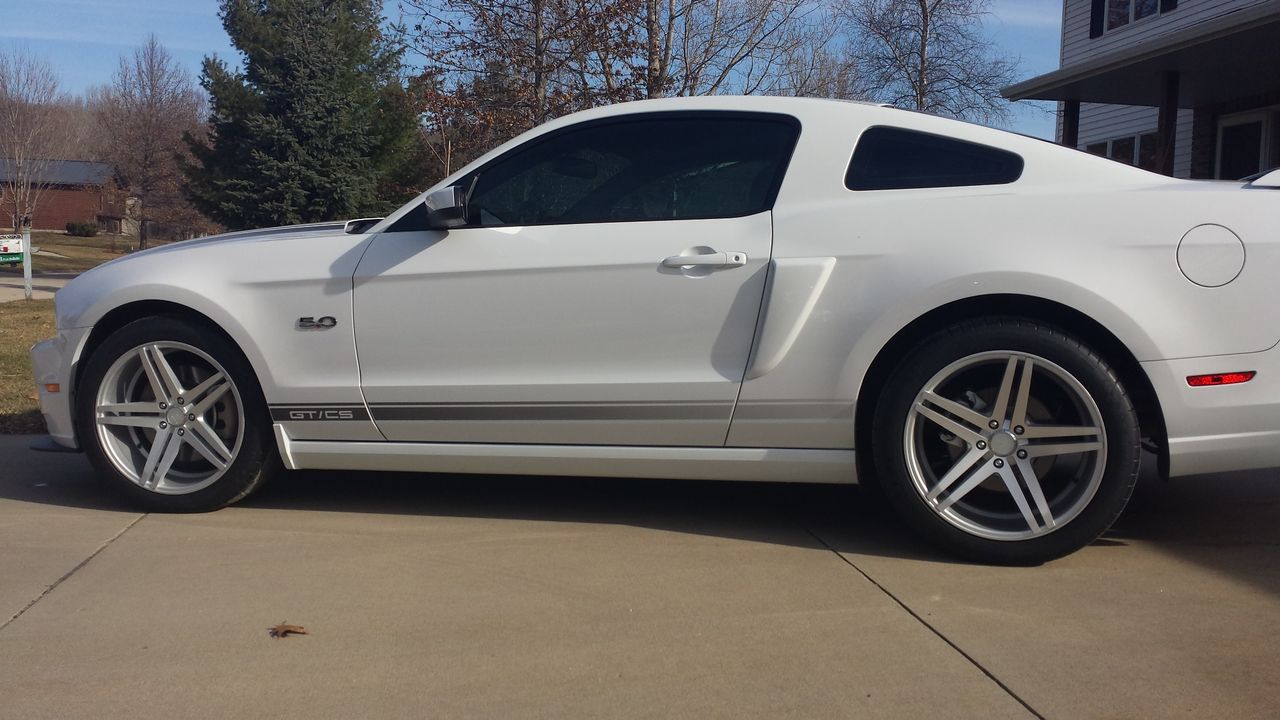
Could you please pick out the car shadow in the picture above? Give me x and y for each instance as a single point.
(777, 513)
(1229, 523)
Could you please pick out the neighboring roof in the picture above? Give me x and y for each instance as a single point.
(1229, 56)
(65, 172)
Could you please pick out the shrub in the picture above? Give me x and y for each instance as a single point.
(82, 229)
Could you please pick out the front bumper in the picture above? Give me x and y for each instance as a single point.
(1220, 428)
(53, 361)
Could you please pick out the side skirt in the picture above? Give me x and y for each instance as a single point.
(682, 463)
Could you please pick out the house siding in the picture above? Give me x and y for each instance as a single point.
(1077, 46)
(1106, 122)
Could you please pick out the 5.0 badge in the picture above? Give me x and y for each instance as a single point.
(311, 323)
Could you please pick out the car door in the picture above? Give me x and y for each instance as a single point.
(562, 312)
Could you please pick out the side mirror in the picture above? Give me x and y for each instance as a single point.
(446, 208)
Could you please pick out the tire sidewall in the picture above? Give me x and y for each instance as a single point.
(245, 471)
(1098, 379)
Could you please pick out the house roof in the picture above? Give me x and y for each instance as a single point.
(65, 172)
(1229, 56)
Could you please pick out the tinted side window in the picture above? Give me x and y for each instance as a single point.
(895, 159)
(650, 168)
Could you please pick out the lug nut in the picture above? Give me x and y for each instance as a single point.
(993, 424)
(182, 431)
(191, 416)
(999, 463)
(179, 401)
(1019, 430)
(164, 406)
(982, 445)
(163, 425)
(1022, 454)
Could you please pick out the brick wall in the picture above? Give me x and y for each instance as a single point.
(61, 205)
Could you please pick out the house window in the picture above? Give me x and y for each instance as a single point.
(1122, 12)
(1136, 150)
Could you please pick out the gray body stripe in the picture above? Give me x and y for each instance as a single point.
(793, 411)
(528, 412)
(558, 411)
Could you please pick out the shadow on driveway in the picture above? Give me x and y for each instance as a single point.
(1228, 523)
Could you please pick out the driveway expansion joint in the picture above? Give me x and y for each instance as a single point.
(73, 571)
(920, 619)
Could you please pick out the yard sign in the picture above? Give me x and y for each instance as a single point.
(10, 249)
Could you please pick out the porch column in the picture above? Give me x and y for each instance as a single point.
(1071, 123)
(1167, 125)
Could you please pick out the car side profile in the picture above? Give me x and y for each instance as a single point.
(990, 327)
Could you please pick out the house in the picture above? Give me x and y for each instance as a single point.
(1189, 88)
(75, 191)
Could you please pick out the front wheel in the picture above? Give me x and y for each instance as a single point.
(1007, 441)
(172, 416)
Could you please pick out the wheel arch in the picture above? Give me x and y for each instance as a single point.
(128, 312)
(1036, 309)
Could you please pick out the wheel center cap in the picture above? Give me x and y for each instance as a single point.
(175, 417)
(1004, 443)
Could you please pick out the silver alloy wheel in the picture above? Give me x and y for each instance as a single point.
(991, 429)
(169, 417)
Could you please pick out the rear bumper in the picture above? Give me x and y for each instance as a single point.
(1217, 429)
(52, 361)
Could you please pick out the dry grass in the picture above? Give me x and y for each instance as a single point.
(80, 253)
(22, 323)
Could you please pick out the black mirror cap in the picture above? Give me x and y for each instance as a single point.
(446, 208)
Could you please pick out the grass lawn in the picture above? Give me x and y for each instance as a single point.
(80, 253)
(22, 323)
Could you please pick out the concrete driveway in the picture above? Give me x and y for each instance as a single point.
(434, 596)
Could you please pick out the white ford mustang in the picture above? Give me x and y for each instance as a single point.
(712, 288)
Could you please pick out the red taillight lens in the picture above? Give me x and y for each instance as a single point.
(1231, 378)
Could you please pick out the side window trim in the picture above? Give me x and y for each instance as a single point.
(413, 220)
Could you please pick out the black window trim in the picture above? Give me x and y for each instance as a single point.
(1022, 162)
(405, 224)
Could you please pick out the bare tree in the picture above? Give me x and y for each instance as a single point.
(544, 55)
(930, 55)
(37, 129)
(822, 65)
(707, 47)
(143, 114)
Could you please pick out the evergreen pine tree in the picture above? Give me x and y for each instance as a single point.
(312, 126)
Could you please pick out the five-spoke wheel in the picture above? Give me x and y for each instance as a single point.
(171, 411)
(169, 418)
(1011, 467)
(1014, 442)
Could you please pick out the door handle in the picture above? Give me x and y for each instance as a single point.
(719, 259)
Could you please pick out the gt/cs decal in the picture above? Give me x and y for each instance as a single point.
(311, 413)
(321, 415)
(321, 323)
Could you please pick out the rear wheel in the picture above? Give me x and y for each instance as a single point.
(1006, 441)
(173, 417)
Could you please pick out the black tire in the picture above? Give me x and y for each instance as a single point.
(892, 441)
(254, 459)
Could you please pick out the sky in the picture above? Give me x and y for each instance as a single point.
(84, 39)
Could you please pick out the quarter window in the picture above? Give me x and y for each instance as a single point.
(673, 167)
(894, 159)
